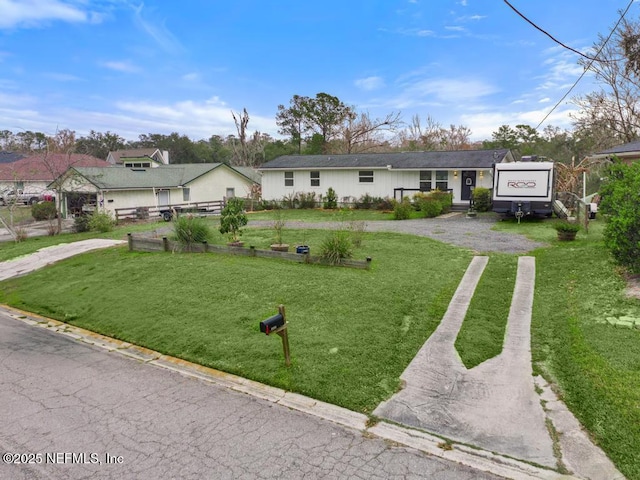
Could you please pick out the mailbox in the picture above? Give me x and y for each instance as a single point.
(270, 324)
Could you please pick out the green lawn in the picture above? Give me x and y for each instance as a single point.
(321, 215)
(352, 332)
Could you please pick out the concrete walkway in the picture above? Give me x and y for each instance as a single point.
(48, 255)
(493, 406)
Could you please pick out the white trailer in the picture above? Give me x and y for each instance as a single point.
(523, 188)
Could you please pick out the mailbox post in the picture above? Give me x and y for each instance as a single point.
(278, 324)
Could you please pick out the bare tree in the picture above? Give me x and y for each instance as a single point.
(362, 134)
(613, 112)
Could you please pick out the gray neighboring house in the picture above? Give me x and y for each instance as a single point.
(627, 152)
(392, 175)
(111, 188)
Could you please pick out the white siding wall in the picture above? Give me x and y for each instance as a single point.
(213, 186)
(346, 183)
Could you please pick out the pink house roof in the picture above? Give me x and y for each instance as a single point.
(44, 167)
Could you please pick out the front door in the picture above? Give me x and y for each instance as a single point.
(468, 184)
(163, 198)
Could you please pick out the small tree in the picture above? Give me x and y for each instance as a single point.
(331, 199)
(233, 218)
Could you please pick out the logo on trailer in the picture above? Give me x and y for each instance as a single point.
(521, 184)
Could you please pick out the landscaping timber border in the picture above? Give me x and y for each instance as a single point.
(144, 244)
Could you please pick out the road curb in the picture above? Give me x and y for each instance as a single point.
(479, 459)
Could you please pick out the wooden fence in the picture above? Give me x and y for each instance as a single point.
(145, 244)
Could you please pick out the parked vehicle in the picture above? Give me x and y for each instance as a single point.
(19, 196)
(524, 188)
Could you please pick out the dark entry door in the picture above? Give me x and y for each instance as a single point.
(468, 183)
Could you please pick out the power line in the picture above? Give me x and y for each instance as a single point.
(586, 68)
(547, 33)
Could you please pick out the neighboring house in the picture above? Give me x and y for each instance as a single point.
(34, 173)
(628, 152)
(168, 185)
(393, 175)
(139, 158)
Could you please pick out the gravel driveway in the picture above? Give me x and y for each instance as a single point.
(456, 229)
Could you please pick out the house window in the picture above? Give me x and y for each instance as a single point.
(231, 192)
(19, 185)
(137, 165)
(442, 180)
(365, 176)
(288, 179)
(186, 194)
(425, 180)
(315, 179)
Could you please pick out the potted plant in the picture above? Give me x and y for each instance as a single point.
(232, 219)
(278, 225)
(566, 230)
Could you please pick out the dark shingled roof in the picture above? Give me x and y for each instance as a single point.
(460, 159)
(626, 148)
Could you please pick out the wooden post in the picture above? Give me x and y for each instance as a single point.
(165, 244)
(285, 337)
(130, 241)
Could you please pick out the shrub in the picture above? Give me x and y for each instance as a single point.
(189, 230)
(365, 202)
(619, 201)
(81, 224)
(336, 247)
(383, 203)
(307, 200)
(482, 199)
(233, 218)
(43, 211)
(430, 207)
(291, 200)
(445, 199)
(330, 199)
(21, 234)
(101, 222)
(402, 210)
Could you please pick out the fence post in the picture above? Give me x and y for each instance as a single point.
(165, 244)
(130, 241)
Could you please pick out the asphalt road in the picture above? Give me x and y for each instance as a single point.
(78, 412)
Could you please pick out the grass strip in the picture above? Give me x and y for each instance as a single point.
(482, 333)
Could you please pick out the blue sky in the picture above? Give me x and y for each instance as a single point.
(164, 66)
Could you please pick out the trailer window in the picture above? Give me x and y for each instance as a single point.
(315, 179)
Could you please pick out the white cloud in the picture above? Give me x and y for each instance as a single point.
(121, 66)
(369, 83)
(156, 29)
(191, 77)
(62, 77)
(32, 13)
(544, 100)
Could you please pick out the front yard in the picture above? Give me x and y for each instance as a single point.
(353, 332)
